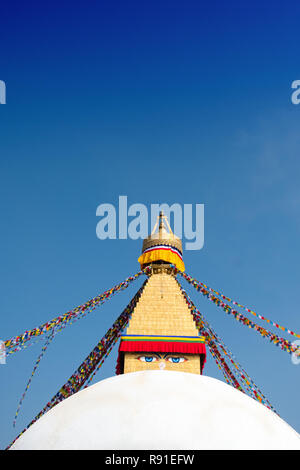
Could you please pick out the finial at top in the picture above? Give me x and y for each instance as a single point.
(161, 215)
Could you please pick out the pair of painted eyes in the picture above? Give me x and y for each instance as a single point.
(174, 360)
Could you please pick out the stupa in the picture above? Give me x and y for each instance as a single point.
(159, 398)
(162, 333)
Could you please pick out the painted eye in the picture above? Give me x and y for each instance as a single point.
(176, 360)
(147, 358)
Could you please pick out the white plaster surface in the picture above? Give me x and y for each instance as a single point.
(159, 410)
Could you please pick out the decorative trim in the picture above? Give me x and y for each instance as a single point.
(158, 338)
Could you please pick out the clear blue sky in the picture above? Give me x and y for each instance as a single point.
(162, 102)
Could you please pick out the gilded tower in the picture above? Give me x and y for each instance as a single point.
(161, 333)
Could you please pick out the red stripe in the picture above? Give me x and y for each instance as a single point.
(167, 248)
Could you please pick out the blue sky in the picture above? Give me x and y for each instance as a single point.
(162, 102)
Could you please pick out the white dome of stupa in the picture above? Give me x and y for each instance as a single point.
(159, 410)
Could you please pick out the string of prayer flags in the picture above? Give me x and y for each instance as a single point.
(18, 342)
(284, 344)
(220, 352)
(88, 366)
(228, 299)
(44, 348)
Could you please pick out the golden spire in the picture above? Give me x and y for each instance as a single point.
(162, 245)
(161, 333)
